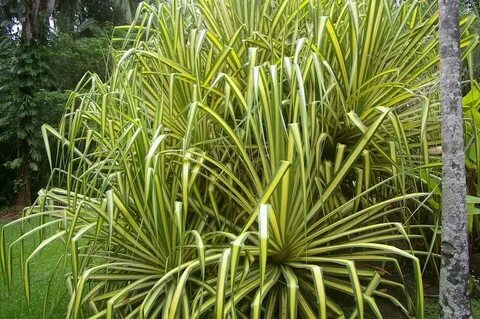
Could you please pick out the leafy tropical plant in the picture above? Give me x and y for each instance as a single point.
(472, 133)
(249, 158)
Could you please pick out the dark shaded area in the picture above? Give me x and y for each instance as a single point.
(45, 51)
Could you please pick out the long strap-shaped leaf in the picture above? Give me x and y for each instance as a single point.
(346, 166)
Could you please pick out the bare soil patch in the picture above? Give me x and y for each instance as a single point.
(10, 213)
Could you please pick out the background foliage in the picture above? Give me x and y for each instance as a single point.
(35, 79)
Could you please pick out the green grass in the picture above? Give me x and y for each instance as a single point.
(476, 308)
(44, 274)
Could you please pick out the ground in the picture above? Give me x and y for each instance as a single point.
(12, 301)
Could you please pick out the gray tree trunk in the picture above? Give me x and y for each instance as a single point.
(37, 15)
(454, 272)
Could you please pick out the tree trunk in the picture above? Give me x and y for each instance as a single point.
(35, 29)
(37, 15)
(24, 194)
(454, 272)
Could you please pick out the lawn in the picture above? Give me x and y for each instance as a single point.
(44, 273)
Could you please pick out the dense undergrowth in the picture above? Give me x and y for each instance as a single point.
(251, 159)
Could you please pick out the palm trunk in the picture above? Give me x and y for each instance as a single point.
(454, 272)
